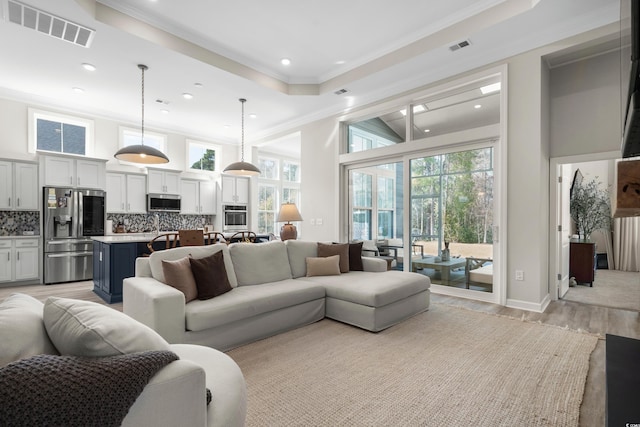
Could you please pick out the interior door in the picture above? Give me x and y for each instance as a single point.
(564, 219)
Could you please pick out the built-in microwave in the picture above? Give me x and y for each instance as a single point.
(235, 218)
(163, 203)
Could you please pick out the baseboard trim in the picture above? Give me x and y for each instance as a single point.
(530, 306)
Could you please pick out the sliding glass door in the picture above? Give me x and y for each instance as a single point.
(376, 206)
(452, 218)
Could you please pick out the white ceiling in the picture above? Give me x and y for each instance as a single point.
(233, 50)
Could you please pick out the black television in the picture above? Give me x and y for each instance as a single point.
(630, 12)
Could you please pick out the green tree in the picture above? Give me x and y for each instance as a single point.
(207, 162)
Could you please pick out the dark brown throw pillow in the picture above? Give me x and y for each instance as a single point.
(355, 257)
(342, 249)
(211, 276)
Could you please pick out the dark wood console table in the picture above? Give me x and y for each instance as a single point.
(582, 262)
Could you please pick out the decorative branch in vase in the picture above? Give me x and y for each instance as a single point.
(590, 208)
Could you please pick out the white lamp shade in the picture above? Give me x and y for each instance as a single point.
(289, 212)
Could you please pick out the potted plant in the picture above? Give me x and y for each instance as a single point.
(590, 208)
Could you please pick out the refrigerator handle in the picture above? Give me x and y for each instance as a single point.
(78, 207)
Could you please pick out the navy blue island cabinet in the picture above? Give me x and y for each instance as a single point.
(112, 263)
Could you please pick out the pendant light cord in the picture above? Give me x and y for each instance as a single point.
(142, 67)
(242, 101)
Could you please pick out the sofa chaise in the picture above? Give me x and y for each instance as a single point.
(270, 293)
(174, 396)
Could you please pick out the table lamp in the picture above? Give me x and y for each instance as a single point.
(288, 212)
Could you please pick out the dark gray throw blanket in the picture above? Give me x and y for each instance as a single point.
(47, 390)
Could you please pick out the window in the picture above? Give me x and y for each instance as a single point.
(275, 188)
(377, 132)
(268, 168)
(267, 208)
(202, 156)
(290, 171)
(130, 136)
(58, 133)
(362, 206)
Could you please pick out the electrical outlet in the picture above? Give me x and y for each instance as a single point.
(319, 221)
(519, 275)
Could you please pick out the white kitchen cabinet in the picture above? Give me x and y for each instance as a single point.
(163, 182)
(26, 259)
(5, 261)
(136, 194)
(6, 185)
(90, 174)
(19, 259)
(72, 172)
(116, 192)
(18, 186)
(197, 197)
(235, 190)
(126, 193)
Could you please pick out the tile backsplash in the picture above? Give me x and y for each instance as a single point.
(138, 223)
(16, 223)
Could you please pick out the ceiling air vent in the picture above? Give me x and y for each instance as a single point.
(49, 24)
(460, 45)
(341, 91)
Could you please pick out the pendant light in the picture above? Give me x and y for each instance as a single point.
(242, 167)
(141, 153)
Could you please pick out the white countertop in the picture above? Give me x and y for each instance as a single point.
(126, 237)
(36, 236)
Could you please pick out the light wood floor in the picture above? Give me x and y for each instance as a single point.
(593, 319)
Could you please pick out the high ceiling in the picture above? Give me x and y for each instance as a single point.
(221, 51)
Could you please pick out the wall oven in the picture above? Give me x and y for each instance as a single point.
(235, 218)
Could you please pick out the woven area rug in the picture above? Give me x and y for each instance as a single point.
(445, 367)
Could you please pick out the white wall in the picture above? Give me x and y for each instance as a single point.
(585, 106)
(14, 138)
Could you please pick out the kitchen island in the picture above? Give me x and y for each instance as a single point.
(114, 259)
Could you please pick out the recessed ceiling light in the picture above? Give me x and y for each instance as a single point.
(477, 106)
(164, 111)
(416, 109)
(227, 126)
(253, 115)
(88, 67)
(427, 130)
(285, 61)
(490, 88)
(341, 62)
(78, 90)
(187, 95)
(198, 85)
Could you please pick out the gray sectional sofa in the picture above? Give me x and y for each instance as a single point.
(270, 294)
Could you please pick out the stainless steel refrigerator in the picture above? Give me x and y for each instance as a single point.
(70, 218)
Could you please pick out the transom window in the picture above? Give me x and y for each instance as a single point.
(58, 133)
(129, 136)
(202, 156)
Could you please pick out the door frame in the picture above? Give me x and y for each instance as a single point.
(555, 172)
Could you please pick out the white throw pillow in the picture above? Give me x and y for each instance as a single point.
(22, 332)
(89, 329)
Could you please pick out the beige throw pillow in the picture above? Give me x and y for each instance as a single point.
(178, 275)
(323, 266)
(341, 249)
(22, 333)
(88, 329)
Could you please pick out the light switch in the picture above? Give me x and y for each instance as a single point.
(313, 221)
(319, 221)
